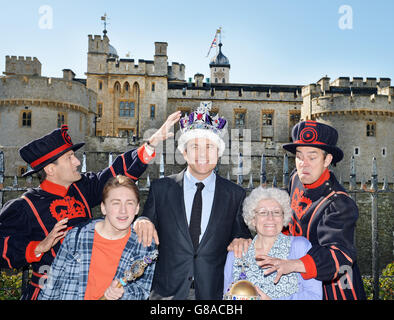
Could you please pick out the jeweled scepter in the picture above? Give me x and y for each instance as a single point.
(136, 270)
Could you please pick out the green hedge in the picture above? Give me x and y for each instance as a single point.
(386, 284)
(10, 285)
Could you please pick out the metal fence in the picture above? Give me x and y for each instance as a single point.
(353, 190)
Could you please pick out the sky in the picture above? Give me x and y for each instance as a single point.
(267, 41)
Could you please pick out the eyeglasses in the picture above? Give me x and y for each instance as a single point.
(276, 213)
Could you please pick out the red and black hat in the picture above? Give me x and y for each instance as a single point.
(315, 134)
(47, 149)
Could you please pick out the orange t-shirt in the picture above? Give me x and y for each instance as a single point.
(103, 264)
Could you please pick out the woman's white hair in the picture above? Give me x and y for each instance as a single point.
(260, 193)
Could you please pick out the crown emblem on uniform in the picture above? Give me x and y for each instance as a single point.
(201, 119)
(68, 207)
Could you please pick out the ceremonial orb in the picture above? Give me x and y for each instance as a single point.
(242, 290)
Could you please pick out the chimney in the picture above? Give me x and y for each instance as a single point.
(68, 74)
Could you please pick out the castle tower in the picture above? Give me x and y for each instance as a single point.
(220, 67)
(363, 114)
(99, 50)
(160, 58)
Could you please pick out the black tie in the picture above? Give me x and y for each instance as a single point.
(195, 218)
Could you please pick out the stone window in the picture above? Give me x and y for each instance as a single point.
(294, 118)
(371, 129)
(125, 133)
(356, 151)
(21, 170)
(25, 118)
(153, 87)
(240, 121)
(266, 118)
(100, 85)
(384, 152)
(99, 109)
(239, 118)
(267, 128)
(126, 87)
(126, 109)
(117, 87)
(61, 119)
(152, 111)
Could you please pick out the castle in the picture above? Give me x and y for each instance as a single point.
(32, 105)
(125, 98)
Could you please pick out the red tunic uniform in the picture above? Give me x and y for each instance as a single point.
(325, 214)
(26, 221)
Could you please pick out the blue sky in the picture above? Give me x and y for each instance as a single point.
(266, 41)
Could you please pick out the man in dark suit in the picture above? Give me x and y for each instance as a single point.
(197, 214)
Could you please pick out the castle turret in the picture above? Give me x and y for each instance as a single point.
(160, 59)
(362, 112)
(22, 66)
(220, 68)
(98, 52)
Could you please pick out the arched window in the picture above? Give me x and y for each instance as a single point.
(126, 87)
(136, 91)
(117, 87)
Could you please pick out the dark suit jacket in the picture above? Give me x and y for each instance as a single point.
(178, 263)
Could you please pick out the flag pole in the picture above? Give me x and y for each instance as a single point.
(214, 41)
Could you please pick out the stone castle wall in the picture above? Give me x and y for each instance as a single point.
(44, 98)
(350, 107)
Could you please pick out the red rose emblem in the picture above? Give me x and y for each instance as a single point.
(65, 135)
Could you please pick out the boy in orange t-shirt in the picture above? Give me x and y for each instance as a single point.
(93, 258)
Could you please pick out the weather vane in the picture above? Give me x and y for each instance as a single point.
(104, 18)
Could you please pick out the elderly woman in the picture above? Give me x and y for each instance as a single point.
(266, 211)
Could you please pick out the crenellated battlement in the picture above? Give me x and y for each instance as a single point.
(176, 71)
(18, 89)
(98, 44)
(103, 59)
(129, 66)
(347, 86)
(22, 66)
(345, 96)
(359, 82)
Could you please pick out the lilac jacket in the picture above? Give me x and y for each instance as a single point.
(308, 289)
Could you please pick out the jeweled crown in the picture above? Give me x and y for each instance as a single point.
(201, 119)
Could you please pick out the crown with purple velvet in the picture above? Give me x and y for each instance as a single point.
(200, 124)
